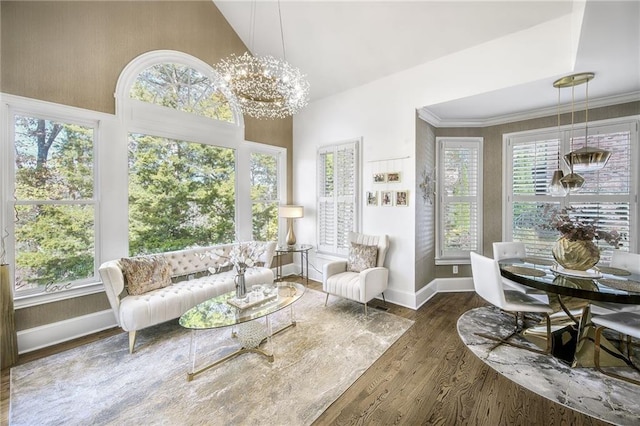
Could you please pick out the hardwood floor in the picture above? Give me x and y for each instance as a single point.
(427, 377)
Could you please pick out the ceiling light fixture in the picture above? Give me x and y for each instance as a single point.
(556, 188)
(264, 86)
(585, 159)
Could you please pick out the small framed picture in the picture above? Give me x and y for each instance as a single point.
(379, 177)
(402, 198)
(393, 177)
(386, 198)
(372, 198)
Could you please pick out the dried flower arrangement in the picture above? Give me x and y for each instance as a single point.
(242, 256)
(573, 227)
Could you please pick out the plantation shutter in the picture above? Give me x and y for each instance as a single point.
(337, 196)
(606, 199)
(460, 189)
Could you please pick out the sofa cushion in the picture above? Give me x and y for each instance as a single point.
(144, 274)
(361, 257)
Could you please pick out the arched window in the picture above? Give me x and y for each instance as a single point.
(183, 88)
(183, 152)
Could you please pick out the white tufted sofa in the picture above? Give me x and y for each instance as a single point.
(192, 284)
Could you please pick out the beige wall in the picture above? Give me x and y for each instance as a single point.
(492, 163)
(73, 52)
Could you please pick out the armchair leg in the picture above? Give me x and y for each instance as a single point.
(383, 299)
(326, 299)
(365, 308)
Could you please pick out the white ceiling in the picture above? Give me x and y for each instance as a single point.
(344, 44)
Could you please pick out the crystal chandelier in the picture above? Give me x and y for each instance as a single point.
(264, 86)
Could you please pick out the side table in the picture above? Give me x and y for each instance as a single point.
(303, 249)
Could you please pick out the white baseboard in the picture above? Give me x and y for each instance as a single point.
(62, 331)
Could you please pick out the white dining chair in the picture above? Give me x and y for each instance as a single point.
(516, 250)
(621, 260)
(626, 323)
(488, 283)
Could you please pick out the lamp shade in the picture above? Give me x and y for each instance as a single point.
(291, 212)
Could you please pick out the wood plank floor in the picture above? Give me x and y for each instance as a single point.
(427, 377)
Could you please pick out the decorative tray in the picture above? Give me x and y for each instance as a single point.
(248, 303)
(589, 273)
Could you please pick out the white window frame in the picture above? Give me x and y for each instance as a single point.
(281, 156)
(625, 123)
(16, 105)
(155, 120)
(334, 250)
(442, 143)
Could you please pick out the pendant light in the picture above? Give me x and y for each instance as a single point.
(586, 159)
(556, 189)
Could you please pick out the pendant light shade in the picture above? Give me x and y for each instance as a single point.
(556, 189)
(587, 159)
(572, 182)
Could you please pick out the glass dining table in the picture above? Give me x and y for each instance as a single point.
(572, 294)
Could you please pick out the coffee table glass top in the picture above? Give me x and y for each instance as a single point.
(217, 312)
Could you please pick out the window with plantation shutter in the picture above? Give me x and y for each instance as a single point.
(337, 196)
(459, 180)
(608, 198)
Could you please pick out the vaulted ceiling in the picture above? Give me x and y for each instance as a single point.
(340, 45)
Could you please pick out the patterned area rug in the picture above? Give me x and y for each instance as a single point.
(101, 383)
(582, 389)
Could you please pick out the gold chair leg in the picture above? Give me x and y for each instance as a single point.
(506, 341)
(596, 359)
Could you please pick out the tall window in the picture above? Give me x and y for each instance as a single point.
(459, 181)
(55, 207)
(180, 194)
(182, 167)
(338, 171)
(607, 197)
(265, 195)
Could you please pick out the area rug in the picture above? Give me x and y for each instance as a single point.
(101, 383)
(582, 389)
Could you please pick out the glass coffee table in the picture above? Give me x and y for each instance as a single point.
(225, 311)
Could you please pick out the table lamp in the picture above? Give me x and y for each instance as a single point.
(290, 213)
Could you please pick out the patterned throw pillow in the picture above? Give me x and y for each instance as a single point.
(144, 274)
(362, 257)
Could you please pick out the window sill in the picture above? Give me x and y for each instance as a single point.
(27, 301)
(462, 261)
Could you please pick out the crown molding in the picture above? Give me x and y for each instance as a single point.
(425, 114)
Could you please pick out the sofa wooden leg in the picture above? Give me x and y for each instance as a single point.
(132, 340)
(365, 308)
(326, 300)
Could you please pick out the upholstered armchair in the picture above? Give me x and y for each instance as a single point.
(362, 276)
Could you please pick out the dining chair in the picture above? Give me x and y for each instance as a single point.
(488, 283)
(627, 323)
(621, 260)
(516, 250)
